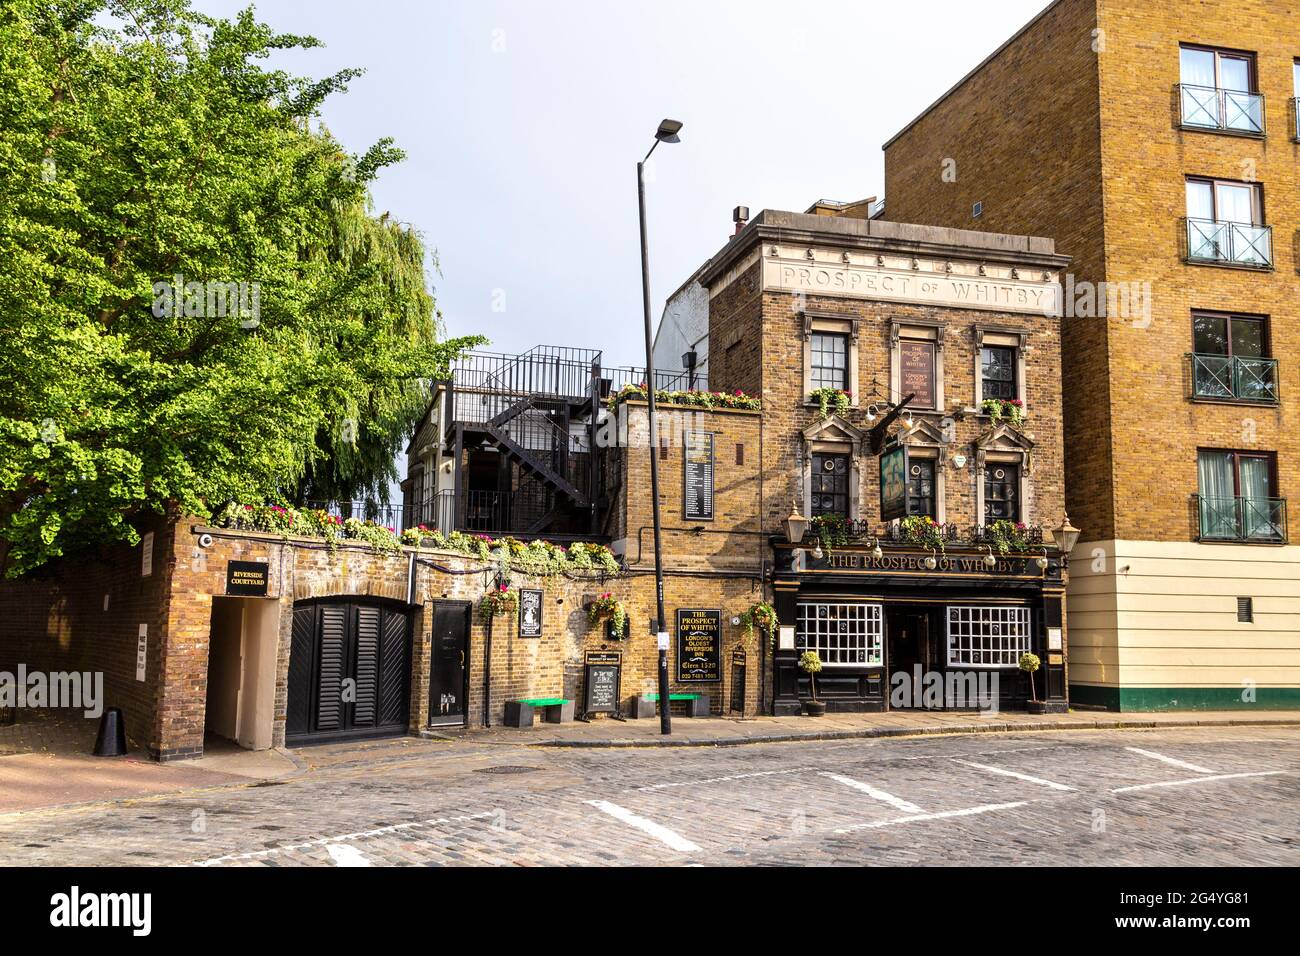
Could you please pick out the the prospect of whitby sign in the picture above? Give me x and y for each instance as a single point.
(699, 646)
(781, 274)
(1012, 565)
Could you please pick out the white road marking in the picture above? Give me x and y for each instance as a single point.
(1181, 783)
(896, 802)
(1170, 760)
(345, 838)
(943, 815)
(344, 855)
(984, 753)
(708, 780)
(660, 833)
(1019, 776)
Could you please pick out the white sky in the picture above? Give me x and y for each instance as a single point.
(523, 121)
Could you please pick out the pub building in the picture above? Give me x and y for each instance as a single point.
(912, 481)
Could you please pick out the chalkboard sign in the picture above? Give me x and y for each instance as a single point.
(697, 482)
(738, 680)
(699, 646)
(530, 613)
(603, 677)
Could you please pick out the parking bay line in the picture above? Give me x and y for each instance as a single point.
(661, 833)
(1171, 761)
(941, 815)
(1211, 779)
(1019, 776)
(896, 802)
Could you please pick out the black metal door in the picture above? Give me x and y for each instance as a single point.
(349, 671)
(449, 676)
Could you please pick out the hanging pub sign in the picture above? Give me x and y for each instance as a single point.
(697, 480)
(916, 371)
(699, 646)
(893, 483)
(530, 613)
(602, 680)
(247, 578)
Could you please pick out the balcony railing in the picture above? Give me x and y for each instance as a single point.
(974, 536)
(1256, 520)
(1230, 243)
(1234, 378)
(1295, 119)
(1229, 111)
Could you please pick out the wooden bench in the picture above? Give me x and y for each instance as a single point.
(555, 710)
(697, 705)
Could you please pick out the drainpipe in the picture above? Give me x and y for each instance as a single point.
(487, 676)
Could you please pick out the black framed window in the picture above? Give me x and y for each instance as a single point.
(998, 372)
(1001, 492)
(920, 487)
(830, 360)
(1221, 334)
(830, 485)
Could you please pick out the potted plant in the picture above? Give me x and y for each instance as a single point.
(1012, 409)
(608, 608)
(832, 401)
(499, 600)
(1030, 663)
(762, 616)
(924, 531)
(1008, 536)
(811, 664)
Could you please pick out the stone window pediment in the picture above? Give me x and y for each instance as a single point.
(1004, 438)
(834, 430)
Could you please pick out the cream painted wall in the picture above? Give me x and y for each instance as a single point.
(261, 625)
(1164, 614)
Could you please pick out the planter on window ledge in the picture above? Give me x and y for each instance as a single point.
(1010, 410)
(831, 401)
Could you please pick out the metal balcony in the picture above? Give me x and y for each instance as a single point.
(1234, 378)
(1225, 111)
(1229, 243)
(1249, 520)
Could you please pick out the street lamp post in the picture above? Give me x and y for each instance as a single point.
(667, 133)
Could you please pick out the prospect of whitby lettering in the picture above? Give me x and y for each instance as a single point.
(864, 282)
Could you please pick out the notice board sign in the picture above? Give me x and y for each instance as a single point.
(893, 483)
(247, 578)
(602, 681)
(530, 613)
(699, 646)
(697, 481)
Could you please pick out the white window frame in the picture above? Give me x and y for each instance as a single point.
(1013, 621)
(871, 617)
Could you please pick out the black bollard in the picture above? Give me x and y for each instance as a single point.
(111, 741)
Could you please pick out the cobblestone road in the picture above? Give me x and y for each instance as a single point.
(1195, 796)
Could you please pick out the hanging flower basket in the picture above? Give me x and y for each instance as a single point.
(608, 608)
(762, 616)
(500, 600)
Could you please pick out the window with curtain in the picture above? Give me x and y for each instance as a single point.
(1237, 496)
(1218, 90)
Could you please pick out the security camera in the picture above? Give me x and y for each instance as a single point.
(205, 541)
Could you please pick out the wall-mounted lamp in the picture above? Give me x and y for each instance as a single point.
(989, 560)
(1042, 561)
(876, 551)
(931, 562)
(795, 525)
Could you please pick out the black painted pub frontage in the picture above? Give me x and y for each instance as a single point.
(892, 632)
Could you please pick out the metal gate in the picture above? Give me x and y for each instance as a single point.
(349, 671)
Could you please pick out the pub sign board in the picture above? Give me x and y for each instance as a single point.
(916, 371)
(893, 483)
(699, 646)
(697, 480)
(602, 679)
(247, 578)
(530, 613)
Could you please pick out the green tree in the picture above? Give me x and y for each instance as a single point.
(144, 146)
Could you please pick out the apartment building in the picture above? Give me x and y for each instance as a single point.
(1157, 144)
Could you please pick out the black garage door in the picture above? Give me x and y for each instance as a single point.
(349, 671)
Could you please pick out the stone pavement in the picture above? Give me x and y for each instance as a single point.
(723, 731)
(1212, 795)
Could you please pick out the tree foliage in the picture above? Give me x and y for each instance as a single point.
(143, 143)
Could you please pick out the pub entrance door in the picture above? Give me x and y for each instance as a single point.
(449, 666)
(910, 643)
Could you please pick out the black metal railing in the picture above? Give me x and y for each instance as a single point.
(1234, 377)
(380, 512)
(1295, 119)
(552, 371)
(1228, 111)
(843, 531)
(1233, 243)
(1258, 520)
(671, 380)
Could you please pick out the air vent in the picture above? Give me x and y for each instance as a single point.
(1245, 610)
(977, 210)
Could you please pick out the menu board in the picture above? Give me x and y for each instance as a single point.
(916, 371)
(602, 680)
(699, 646)
(697, 483)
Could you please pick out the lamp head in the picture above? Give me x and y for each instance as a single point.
(668, 130)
